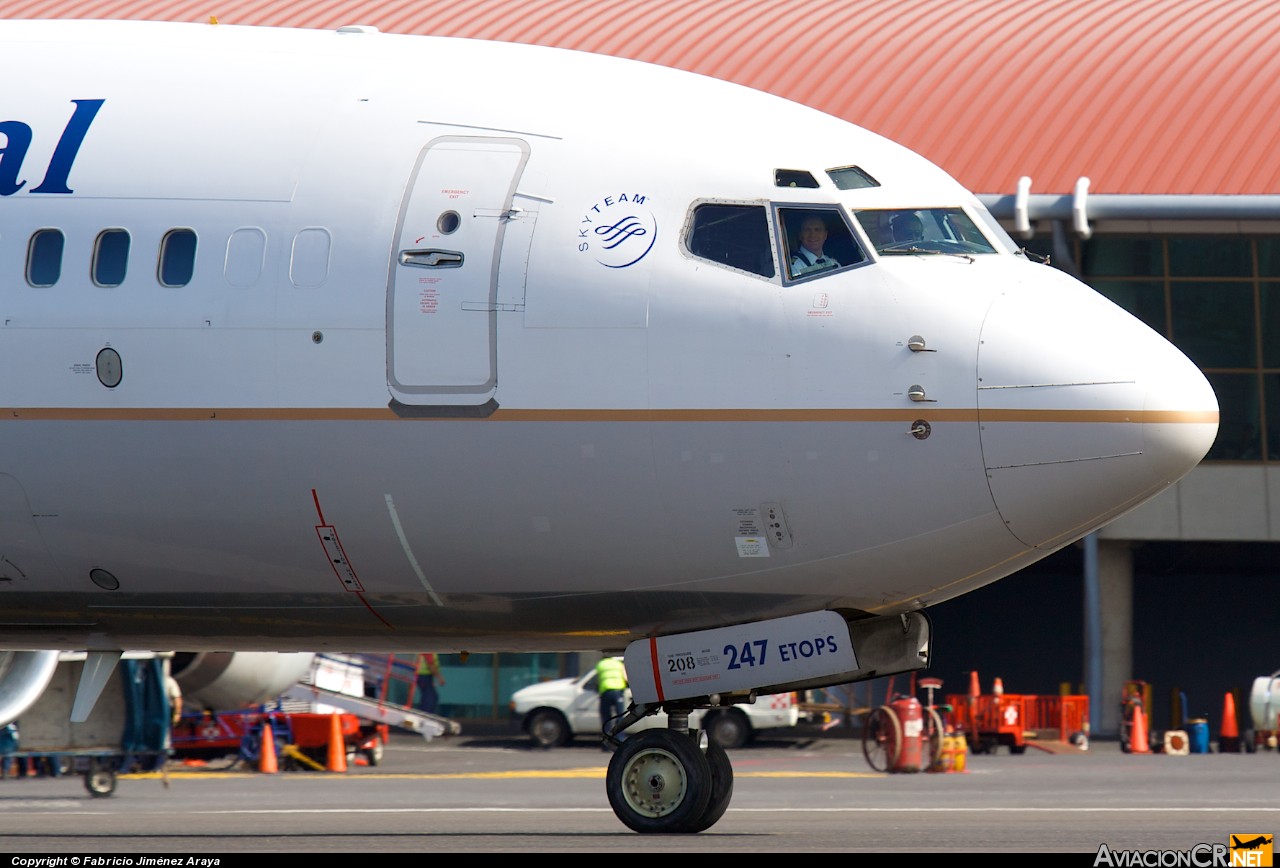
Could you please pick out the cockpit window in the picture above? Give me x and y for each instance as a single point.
(923, 230)
(851, 178)
(817, 241)
(996, 231)
(794, 178)
(733, 235)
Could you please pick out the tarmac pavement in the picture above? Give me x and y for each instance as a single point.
(810, 792)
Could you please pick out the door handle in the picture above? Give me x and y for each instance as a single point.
(431, 258)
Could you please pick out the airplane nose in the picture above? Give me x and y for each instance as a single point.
(1086, 417)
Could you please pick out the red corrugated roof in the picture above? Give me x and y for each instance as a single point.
(1140, 96)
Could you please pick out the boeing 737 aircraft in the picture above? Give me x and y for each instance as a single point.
(361, 342)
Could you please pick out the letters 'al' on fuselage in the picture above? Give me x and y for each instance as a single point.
(18, 141)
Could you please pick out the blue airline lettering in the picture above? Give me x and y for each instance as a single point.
(18, 140)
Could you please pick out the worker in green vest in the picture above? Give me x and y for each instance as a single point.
(611, 682)
(428, 677)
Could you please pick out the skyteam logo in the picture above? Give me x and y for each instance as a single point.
(618, 231)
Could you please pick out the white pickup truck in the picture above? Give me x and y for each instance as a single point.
(554, 712)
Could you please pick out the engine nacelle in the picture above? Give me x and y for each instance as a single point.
(23, 677)
(226, 680)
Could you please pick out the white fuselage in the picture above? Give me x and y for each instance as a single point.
(577, 432)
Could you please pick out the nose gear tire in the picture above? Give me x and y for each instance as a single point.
(659, 781)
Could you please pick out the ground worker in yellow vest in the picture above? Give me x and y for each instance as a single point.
(428, 677)
(611, 682)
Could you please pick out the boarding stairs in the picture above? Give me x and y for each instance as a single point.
(337, 681)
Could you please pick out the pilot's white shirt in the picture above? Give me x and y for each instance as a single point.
(806, 261)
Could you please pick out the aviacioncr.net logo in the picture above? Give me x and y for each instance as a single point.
(1199, 856)
(1243, 851)
(618, 231)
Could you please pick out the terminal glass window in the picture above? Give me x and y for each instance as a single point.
(1269, 314)
(1268, 248)
(1271, 397)
(1210, 256)
(1139, 257)
(1213, 323)
(1217, 298)
(732, 235)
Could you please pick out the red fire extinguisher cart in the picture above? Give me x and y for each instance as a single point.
(904, 736)
(910, 714)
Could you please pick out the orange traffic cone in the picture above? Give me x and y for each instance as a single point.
(1138, 739)
(975, 689)
(337, 746)
(1229, 738)
(997, 687)
(267, 755)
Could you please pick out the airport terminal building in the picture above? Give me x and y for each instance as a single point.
(1134, 146)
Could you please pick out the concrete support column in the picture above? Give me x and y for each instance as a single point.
(1112, 654)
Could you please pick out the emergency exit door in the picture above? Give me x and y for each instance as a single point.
(443, 292)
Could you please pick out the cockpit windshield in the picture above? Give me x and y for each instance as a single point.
(816, 241)
(813, 241)
(923, 231)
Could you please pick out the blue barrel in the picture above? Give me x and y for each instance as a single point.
(1198, 735)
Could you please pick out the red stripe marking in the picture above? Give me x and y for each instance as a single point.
(315, 497)
(657, 670)
(373, 610)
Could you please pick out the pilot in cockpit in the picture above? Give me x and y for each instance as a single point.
(810, 257)
(906, 227)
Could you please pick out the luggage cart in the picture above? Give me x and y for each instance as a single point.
(100, 769)
(127, 731)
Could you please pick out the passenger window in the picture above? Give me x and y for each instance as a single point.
(817, 241)
(246, 252)
(309, 265)
(177, 257)
(44, 257)
(733, 235)
(110, 257)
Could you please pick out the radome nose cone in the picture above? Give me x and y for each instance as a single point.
(1085, 418)
(1181, 418)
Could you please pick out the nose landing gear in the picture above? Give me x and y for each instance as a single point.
(670, 780)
